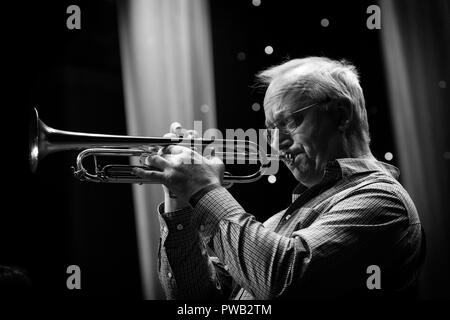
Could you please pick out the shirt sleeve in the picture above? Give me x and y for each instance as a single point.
(186, 271)
(267, 264)
(258, 259)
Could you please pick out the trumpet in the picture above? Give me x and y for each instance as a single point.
(45, 140)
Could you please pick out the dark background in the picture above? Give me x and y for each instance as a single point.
(49, 219)
(73, 77)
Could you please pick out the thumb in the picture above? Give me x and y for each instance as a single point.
(215, 160)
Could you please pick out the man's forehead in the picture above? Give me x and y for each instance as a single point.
(277, 101)
(272, 105)
(273, 116)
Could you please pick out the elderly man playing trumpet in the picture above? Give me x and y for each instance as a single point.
(349, 218)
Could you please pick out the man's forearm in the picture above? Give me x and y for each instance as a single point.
(171, 203)
(185, 271)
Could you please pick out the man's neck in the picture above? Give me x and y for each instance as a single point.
(353, 147)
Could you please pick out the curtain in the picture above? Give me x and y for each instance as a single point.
(416, 46)
(167, 72)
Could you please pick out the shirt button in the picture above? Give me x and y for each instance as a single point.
(202, 228)
(164, 229)
(288, 217)
(180, 227)
(169, 275)
(226, 267)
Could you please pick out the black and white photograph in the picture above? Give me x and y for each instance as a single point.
(209, 152)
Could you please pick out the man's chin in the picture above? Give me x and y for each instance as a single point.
(302, 176)
(301, 169)
(303, 173)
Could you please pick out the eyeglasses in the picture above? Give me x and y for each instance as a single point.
(291, 123)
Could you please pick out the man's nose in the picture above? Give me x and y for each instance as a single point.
(285, 142)
(281, 142)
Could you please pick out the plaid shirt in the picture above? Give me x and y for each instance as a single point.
(320, 246)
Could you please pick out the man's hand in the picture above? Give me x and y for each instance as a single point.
(183, 171)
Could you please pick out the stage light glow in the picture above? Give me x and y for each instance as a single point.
(204, 108)
(256, 3)
(256, 106)
(34, 152)
(241, 56)
(388, 156)
(324, 22)
(272, 179)
(268, 50)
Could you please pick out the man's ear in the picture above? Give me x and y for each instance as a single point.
(345, 113)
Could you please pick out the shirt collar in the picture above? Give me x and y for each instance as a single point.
(346, 167)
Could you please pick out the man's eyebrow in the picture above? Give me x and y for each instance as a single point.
(275, 120)
(269, 123)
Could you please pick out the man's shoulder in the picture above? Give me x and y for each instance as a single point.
(371, 182)
(379, 189)
(381, 183)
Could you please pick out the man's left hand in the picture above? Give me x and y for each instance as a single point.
(183, 170)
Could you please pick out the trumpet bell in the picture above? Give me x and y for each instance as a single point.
(34, 134)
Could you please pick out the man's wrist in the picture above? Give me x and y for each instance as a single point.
(195, 198)
(172, 204)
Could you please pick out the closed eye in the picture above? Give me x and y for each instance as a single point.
(295, 122)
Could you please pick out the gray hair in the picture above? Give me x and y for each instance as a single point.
(320, 79)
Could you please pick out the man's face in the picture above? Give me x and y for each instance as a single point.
(310, 138)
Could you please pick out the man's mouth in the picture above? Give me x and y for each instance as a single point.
(292, 158)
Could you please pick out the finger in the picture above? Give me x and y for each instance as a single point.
(215, 160)
(155, 176)
(170, 135)
(209, 152)
(192, 134)
(172, 149)
(157, 162)
(177, 129)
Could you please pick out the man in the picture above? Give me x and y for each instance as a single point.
(351, 230)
